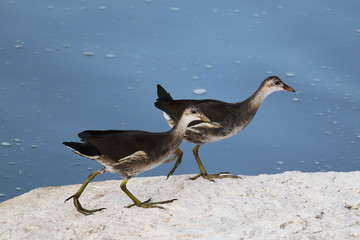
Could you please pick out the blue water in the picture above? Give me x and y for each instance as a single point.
(67, 66)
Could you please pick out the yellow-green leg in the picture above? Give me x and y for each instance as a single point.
(178, 155)
(146, 204)
(203, 172)
(77, 195)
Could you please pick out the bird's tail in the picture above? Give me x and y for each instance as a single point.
(163, 97)
(83, 149)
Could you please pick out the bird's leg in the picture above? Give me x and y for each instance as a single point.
(203, 172)
(178, 155)
(201, 166)
(146, 204)
(77, 195)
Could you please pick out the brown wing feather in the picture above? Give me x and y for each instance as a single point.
(215, 110)
(117, 144)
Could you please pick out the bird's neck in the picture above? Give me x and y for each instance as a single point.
(251, 105)
(258, 98)
(180, 128)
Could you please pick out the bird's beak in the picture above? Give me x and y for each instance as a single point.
(204, 118)
(288, 88)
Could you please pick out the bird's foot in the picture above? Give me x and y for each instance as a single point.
(79, 208)
(149, 204)
(211, 177)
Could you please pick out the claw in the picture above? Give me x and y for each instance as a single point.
(211, 177)
(203, 172)
(148, 204)
(77, 195)
(80, 209)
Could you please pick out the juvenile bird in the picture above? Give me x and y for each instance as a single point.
(131, 152)
(227, 119)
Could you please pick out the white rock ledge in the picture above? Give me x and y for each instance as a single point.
(291, 205)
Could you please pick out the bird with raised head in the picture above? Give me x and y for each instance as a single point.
(227, 119)
(131, 152)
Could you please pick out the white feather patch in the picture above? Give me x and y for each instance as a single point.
(169, 120)
(166, 116)
(77, 152)
(207, 125)
(136, 155)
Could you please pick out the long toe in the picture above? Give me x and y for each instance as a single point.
(89, 212)
(225, 175)
(197, 176)
(73, 196)
(211, 177)
(148, 204)
(164, 202)
(80, 209)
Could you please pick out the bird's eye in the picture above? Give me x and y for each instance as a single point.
(193, 111)
(276, 82)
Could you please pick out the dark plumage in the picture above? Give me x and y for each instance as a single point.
(130, 152)
(227, 119)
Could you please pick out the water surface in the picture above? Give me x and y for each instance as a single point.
(67, 66)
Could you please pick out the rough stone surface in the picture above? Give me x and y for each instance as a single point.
(291, 205)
